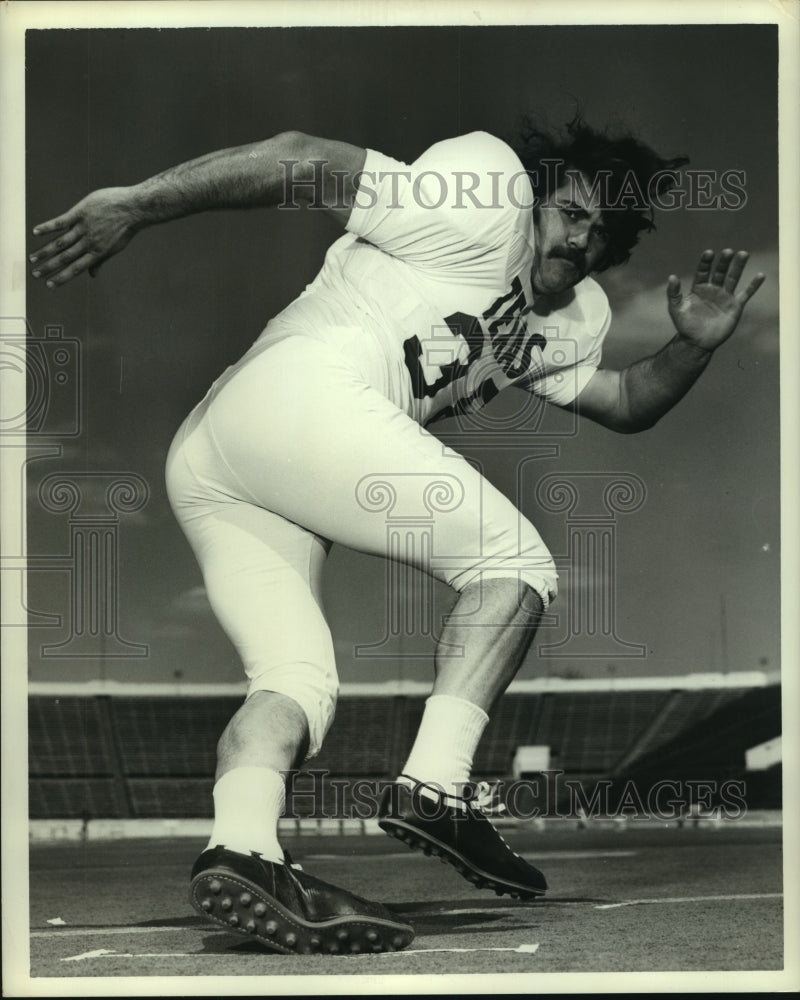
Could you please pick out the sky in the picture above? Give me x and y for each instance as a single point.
(696, 582)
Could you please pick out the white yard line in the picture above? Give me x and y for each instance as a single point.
(510, 910)
(541, 855)
(453, 911)
(107, 931)
(525, 949)
(528, 949)
(100, 953)
(690, 899)
(106, 953)
(116, 931)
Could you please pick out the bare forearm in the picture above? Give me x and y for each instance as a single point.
(636, 397)
(319, 171)
(651, 387)
(242, 177)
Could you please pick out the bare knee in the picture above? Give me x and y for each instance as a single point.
(511, 601)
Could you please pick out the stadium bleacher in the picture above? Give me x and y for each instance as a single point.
(683, 710)
(126, 755)
(68, 739)
(169, 737)
(718, 739)
(589, 731)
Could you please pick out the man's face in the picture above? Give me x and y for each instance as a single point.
(571, 239)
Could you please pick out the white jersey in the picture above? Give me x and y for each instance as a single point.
(417, 312)
(436, 265)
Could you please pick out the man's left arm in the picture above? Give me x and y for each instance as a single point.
(636, 397)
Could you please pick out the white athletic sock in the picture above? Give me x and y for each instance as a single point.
(446, 742)
(247, 804)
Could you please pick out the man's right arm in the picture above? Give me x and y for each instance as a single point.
(288, 168)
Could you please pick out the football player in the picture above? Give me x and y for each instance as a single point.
(458, 275)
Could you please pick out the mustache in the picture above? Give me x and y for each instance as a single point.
(576, 257)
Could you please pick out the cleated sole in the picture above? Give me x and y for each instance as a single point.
(238, 905)
(418, 841)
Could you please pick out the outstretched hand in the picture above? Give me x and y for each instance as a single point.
(98, 227)
(708, 314)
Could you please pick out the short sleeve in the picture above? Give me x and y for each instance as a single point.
(456, 202)
(576, 357)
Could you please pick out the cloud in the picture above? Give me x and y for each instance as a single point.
(186, 615)
(190, 603)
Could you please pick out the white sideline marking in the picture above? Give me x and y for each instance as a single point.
(541, 855)
(106, 953)
(100, 953)
(115, 931)
(524, 948)
(691, 899)
(527, 949)
(577, 855)
(106, 931)
(511, 910)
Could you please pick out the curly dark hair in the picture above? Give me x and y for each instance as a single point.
(633, 175)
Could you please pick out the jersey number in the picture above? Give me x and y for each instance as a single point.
(510, 345)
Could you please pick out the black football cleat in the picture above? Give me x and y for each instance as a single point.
(289, 911)
(459, 834)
